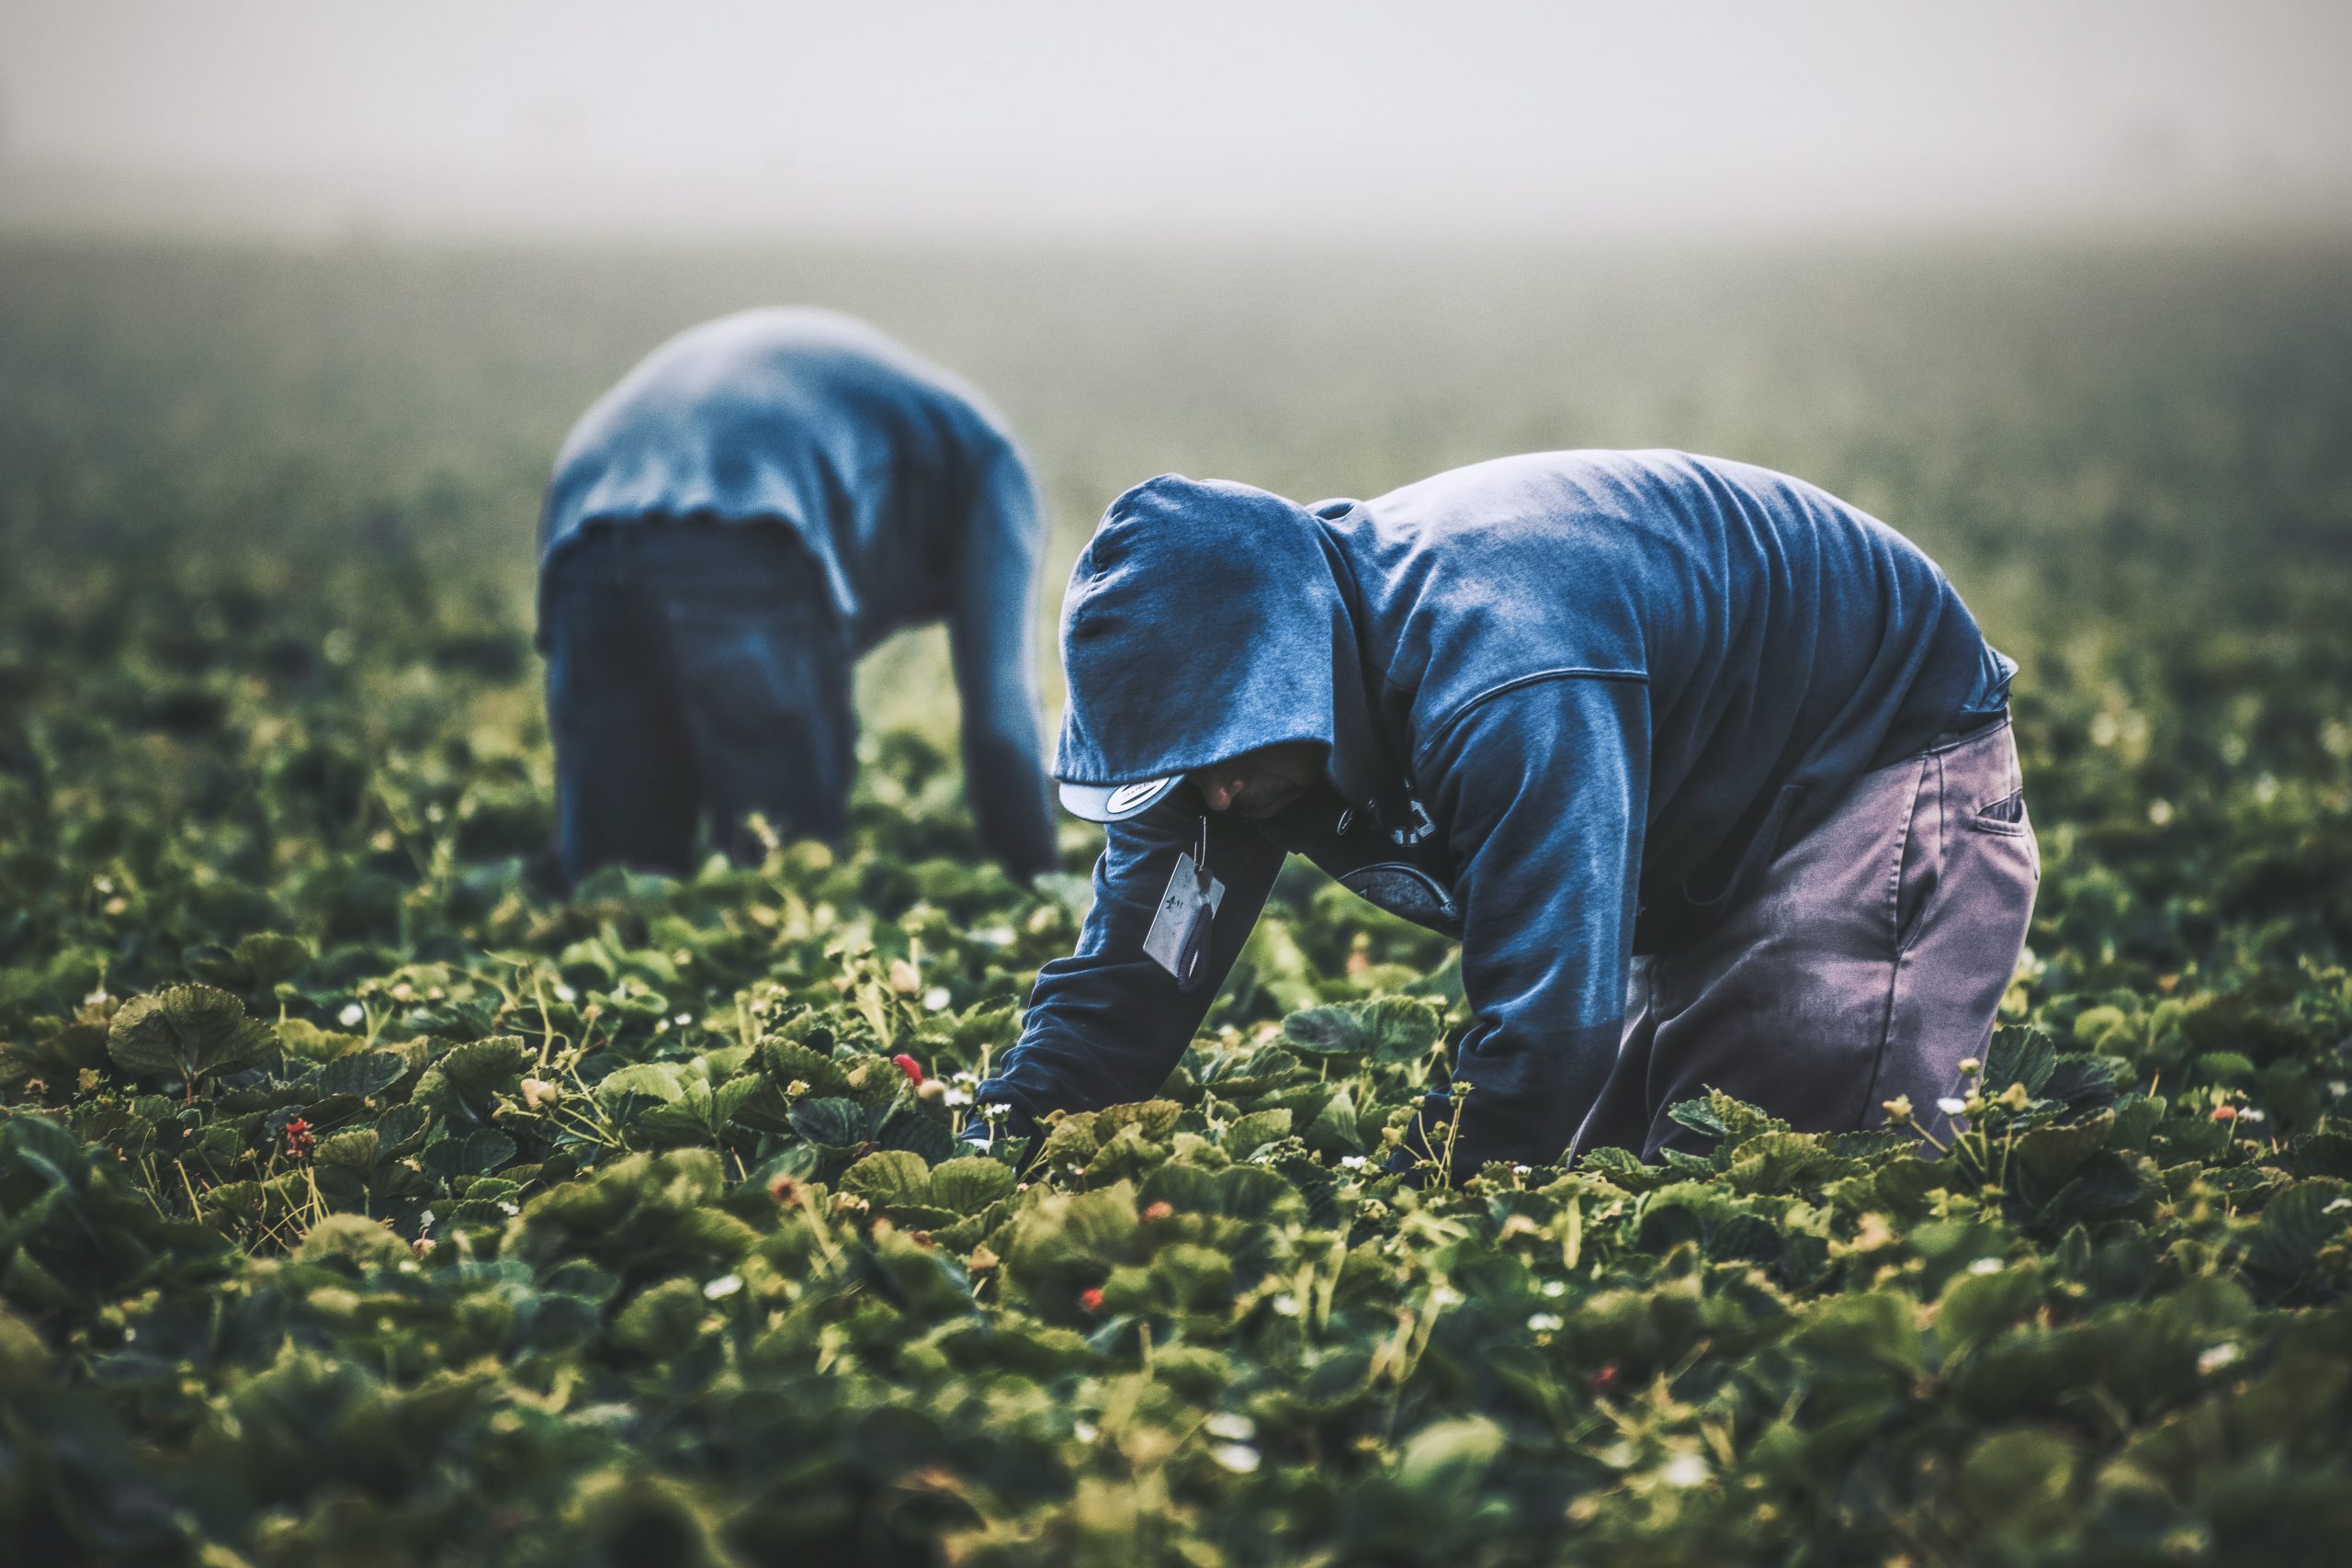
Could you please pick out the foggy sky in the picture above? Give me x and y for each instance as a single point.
(1104, 119)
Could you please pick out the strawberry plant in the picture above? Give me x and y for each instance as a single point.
(364, 1197)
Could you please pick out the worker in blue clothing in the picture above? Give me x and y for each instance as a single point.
(757, 504)
(1709, 772)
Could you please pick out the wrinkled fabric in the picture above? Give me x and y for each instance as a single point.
(695, 674)
(1590, 692)
(903, 487)
(1867, 960)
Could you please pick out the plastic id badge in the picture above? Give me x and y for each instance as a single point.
(1179, 938)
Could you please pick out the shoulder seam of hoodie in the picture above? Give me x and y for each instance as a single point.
(1569, 672)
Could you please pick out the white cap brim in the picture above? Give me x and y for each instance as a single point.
(1115, 803)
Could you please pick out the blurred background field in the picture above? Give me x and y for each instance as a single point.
(254, 496)
(2091, 435)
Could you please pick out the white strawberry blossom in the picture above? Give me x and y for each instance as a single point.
(1684, 1469)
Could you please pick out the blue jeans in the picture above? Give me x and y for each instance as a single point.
(697, 673)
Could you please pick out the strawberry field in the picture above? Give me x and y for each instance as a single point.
(365, 1199)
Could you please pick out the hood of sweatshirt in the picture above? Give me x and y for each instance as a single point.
(1205, 619)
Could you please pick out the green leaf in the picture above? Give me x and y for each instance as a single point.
(2295, 1224)
(970, 1184)
(1252, 1133)
(2018, 1055)
(2083, 1080)
(1395, 1031)
(663, 1082)
(361, 1074)
(271, 958)
(2106, 1184)
(834, 1123)
(1335, 1128)
(353, 1239)
(399, 1129)
(2047, 1157)
(464, 1082)
(2323, 1154)
(1975, 1307)
(1445, 1459)
(57, 1059)
(2225, 1066)
(1402, 1029)
(2019, 1483)
(889, 1178)
(477, 1154)
(256, 964)
(187, 1032)
(1699, 1116)
(752, 1102)
(306, 1041)
(907, 1129)
(788, 1063)
(355, 1150)
(1876, 1328)
(1327, 1032)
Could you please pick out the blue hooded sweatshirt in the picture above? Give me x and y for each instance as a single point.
(904, 485)
(1568, 704)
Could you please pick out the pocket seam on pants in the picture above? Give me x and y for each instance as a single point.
(1898, 946)
(1930, 771)
(2001, 827)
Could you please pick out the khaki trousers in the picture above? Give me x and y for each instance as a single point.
(1866, 964)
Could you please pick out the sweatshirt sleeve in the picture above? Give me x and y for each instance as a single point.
(991, 640)
(1543, 793)
(1106, 1025)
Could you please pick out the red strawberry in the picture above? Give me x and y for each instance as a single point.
(1091, 1300)
(908, 1065)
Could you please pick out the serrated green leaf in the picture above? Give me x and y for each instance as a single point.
(477, 1154)
(2018, 1054)
(1327, 1032)
(187, 1032)
(831, 1122)
(970, 1184)
(361, 1074)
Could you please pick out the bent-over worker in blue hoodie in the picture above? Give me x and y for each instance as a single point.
(757, 504)
(1709, 772)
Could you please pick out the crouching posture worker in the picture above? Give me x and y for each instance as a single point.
(1709, 772)
(757, 504)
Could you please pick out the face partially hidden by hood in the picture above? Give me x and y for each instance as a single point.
(1207, 619)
